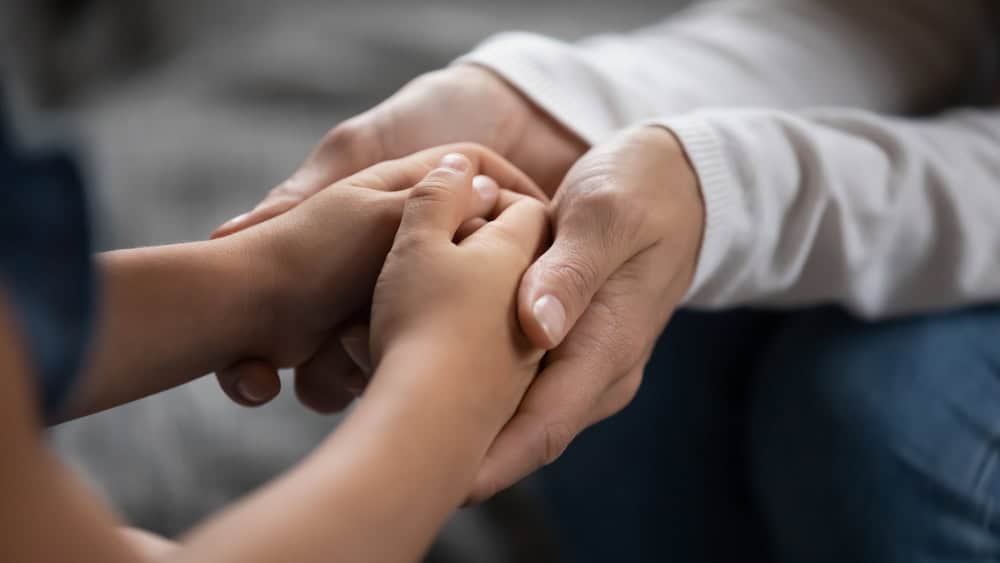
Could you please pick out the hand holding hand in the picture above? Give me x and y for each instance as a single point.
(457, 104)
(442, 302)
(628, 222)
(320, 260)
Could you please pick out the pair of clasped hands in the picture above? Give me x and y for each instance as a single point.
(480, 224)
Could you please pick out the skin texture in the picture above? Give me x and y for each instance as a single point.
(628, 224)
(441, 107)
(401, 462)
(292, 282)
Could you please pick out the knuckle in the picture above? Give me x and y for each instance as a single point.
(629, 390)
(612, 203)
(576, 274)
(431, 80)
(433, 188)
(607, 207)
(386, 207)
(344, 133)
(512, 240)
(359, 139)
(620, 396)
(408, 243)
(558, 436)
(288, 189)
(534, 207)
(484, 489)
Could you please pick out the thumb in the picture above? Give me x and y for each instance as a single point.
(436, 206)
(558, 287)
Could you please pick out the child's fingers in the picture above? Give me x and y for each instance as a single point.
(487, 195)
(355, 340)
(399, 174)
(469, 227)
(438, 204)
(523, 222)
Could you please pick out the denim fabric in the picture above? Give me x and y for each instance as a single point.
(798, 438)
(45, 264)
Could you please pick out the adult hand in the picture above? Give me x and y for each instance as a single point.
(628, 221)
(457, 104)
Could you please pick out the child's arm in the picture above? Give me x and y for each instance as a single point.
(172, 313)
(168, 314)
(452, 366)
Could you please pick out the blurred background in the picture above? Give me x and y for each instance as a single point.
(188, 112)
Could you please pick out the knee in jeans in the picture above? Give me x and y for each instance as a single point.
(837, 388)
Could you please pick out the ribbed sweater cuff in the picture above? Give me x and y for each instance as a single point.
(530, 62)
(715, 179)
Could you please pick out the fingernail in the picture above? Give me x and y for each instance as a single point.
(251, 391)
(486, 187)
(357, 349)
(455, 161)
(551, 316)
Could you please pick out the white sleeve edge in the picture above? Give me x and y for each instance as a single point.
(521, 59)
(720, 195)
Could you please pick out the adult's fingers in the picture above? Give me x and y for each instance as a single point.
(402, 173)
(556, 408)
(591, 376)
(559, 286)
(324, 382)
(250, 383)
(356, 342)
(274, 204)
(346, 149)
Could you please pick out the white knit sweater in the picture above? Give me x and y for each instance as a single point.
(817, 188)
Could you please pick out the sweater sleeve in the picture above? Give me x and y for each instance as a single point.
(882, 215)
(894, 56)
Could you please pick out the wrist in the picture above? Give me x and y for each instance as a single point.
(253, 290)
(446, 380)
(685, 203)
(313, 267)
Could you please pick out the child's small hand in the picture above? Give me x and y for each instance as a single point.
(452, 305)
(318, 264)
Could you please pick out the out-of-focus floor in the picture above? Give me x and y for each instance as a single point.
(189, 111)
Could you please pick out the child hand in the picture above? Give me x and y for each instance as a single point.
(319, 262)
(452, 305)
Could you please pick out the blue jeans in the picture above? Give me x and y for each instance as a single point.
(796, 438)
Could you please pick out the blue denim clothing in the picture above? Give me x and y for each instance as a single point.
(797, 438)
(45, 264)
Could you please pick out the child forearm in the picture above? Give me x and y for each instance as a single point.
(379, 488)
(167, 315)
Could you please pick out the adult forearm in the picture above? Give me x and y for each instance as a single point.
(882, 215)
